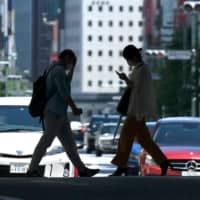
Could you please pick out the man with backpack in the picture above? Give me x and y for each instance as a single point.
(55, 119)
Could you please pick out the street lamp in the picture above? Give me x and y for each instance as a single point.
(193, 8)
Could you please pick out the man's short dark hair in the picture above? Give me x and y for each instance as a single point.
(67, 52)
(130, 51)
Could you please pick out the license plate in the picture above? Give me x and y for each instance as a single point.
(18, 168)
(190, 173)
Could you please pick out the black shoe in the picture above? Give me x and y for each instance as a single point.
(120, 172)
(34, 173)
(164, 167)
(88, 172)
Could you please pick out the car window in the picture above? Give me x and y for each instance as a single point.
(110, 129)
(17, 118)
(178, 134)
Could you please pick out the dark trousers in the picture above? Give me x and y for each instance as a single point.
(133, 128)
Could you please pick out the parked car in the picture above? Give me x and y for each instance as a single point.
(179, 139)
(104, 138)
(19, 134)
(95, 122)
(133, 162)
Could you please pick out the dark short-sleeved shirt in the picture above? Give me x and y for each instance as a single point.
(58, 89)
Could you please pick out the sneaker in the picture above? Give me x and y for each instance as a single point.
(88, 172)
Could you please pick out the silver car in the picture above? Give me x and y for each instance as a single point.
(105, 136)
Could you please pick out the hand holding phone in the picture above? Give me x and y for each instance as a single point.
(122, 75)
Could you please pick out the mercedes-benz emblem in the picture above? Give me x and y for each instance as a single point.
(191, 164)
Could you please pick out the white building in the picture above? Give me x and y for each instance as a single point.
(98, 30)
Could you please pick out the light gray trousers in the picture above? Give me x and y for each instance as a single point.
(56, 125)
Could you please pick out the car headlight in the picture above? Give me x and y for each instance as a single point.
(55, 150)
(149, 160)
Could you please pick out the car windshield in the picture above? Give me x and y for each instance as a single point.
(96, 122)
(17, 118)
(181, 134)
(110, 129)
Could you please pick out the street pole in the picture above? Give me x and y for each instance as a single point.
(194, 68)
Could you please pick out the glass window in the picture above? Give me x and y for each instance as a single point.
(100, 38)
(110, 8)
(89, 38)
(110, 38)
(89, 23)
(121, 8)
(89, 53)
(89, 68)
(17, 118)
(110, 53)
(100, 67)
(100, 53)
(130, 8)
(90, 8)
(89, 83)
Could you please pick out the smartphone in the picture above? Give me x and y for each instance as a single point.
(117, 72)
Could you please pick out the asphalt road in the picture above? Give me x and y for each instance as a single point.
(100, 188)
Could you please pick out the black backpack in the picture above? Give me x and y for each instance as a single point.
(38, 99)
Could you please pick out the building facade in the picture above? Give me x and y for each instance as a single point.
(98, 31)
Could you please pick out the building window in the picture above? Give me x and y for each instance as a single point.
(140, 23)
(110, 68)
(130, 38)
(100, 53)
(110, 82)
(140, 8)
(120, 53)
(110, 8)
(100, 68)
(89, 53)
(100, 38)
(89, 38)
(120, 82)
(121, 68)
(89, 68)
(121, 8)
(130, 23)
(121, 38)
(89, 23)
(100, 23)
(100, 8)
(130, 8)
(121, 23)
(89, 8)
(110, 23)
(100, 83)
(110, 53)
(110, 38)
(140, 38)
(89, 83)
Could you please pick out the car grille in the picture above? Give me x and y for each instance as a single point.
(185, 165)
(5, 171)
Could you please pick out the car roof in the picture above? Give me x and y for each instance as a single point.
(179, 119)
(15, 101)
